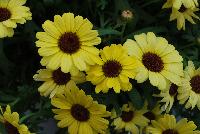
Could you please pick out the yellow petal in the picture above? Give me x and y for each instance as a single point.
(47, 51)
(59, 23)
(46, 38)
(66, 63)
(54, 62)
(85, 128)
(51, 30)
(133, 49)
(74, 127)
(141, 40)
(79, 62)
(69, 22)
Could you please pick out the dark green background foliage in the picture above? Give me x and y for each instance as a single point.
(19, 59)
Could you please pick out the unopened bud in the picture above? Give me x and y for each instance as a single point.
(127, 15)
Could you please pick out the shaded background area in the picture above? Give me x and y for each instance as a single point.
(19, 59)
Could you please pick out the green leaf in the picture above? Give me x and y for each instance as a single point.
(7, 97)
(108, 31)
(136, 99)
(147, 91)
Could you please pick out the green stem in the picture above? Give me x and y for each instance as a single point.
(15, 102)
(123, 29)
(27, 116)
(189, 45)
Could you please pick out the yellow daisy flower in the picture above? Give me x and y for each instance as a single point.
(153, 114)
(168, 125)
(79, 112)
(130, 119)
(160, 61)
(178, 3)
(115, 70)
(189, 91)
(11, 13)
(168, 96)
(183, 14)
(55, 81)
(11, 122)
(68, 42)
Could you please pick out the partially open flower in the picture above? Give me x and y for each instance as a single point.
(11, 122)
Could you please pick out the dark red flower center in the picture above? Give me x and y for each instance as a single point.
(10, 129)
(149, 115)
(69, 43)
(127, 116)
(173, 89)
(195, 84)
(182, 9)
(152, 62)
(112, 68)
(5, 14)
(170, 131)
(61, 78)
(80, 113)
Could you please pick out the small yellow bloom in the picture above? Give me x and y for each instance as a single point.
(79, 112)
(189, 91)
(178, 3)
(130, 119)
(160, 61)
(68, 43)
(114, 71)
(168, 125)
(55, 81)
(168, 96)
(11, 122)
(183, 14)
(11, 13)
(151, 114)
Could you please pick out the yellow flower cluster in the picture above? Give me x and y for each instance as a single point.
(146, 121)
(67, 47)
(68, 51)
(187, 92)
(69, 55)
(168, 125)
(182, 10)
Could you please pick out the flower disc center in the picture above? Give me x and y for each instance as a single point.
(150, 116)
(182, 9)
(127, 116)
(61, 78)
(80, 113)
(152, 62)
(69, 43)
(195, 84)
(173, 89)
(112, 68)
(10, 129)
(5, 14)
(170, 131)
